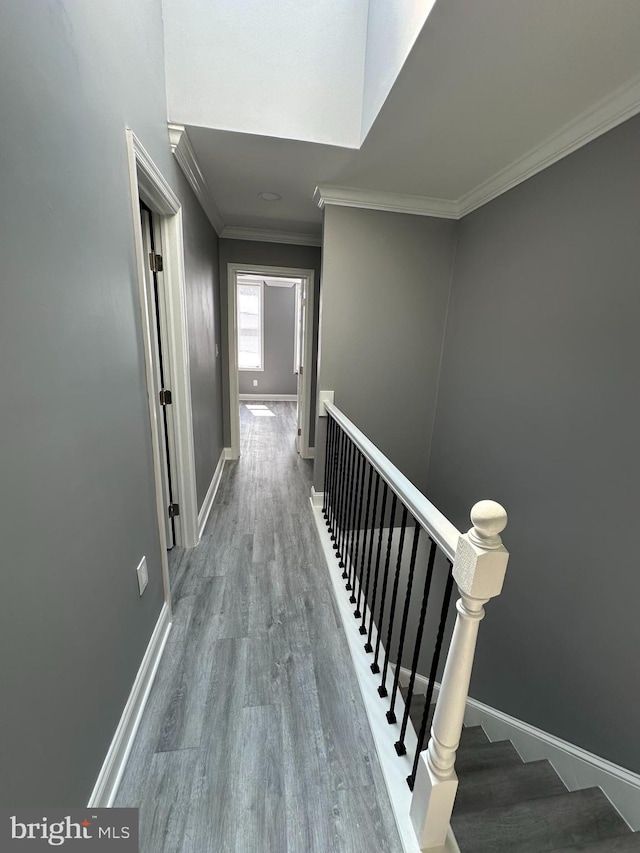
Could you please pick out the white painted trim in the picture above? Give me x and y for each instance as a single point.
(589, 125)
(233, 269)
(228, 454)
(144, 178)
(148, 183)
(434, 522)
(283, 398)
(391, 202)
(598, 119)
(308, 453)
(106, 786)
(180, 375)
(317, 498)
(577, 767)
(259, 285)
(205, 509)
(233, 232)
(395, 768)
(185, 155)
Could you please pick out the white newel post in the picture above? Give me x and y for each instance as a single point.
(478, 569)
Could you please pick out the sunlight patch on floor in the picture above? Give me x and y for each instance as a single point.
(261, 411)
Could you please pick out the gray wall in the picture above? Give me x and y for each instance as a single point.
(203, 317)
(385, 289)
(274, 255)
(539, 409)
(279, 338)
(77, 510)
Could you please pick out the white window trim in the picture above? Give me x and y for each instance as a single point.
(259, 284)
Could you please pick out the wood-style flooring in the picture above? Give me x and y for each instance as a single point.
(255, 738)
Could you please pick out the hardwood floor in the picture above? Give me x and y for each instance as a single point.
(255, 737)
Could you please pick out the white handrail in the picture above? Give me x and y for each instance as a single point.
(440, 529)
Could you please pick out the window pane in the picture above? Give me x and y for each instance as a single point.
(249, 327)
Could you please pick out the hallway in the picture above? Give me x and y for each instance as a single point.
(255, 737)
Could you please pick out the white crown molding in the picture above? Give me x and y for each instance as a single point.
(603, 116)
(231, 232)
(598, 119)
(386, 201)
(185, 155)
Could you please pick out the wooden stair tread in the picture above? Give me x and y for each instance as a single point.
(485, 756)
(620, 844)
(544, 824)
(472, 736)
(505, 786)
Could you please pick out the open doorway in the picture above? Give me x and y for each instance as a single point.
(157, 227)
(270, 348)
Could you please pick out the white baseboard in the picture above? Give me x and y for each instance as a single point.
(395, 768)
(228, 454)
(106, 786)
(270, 398)
(575, 766)
(205, 509)
(316, 498)
(309, 453)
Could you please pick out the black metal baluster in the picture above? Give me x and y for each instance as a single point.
(352, 525)
(333, 483)
(358, 535)
(444, 613)
(329, 497)
(382, 690)
(371, 529)
(349, 499)
(367, 646)
(342, 474)
(348, 525)
(399, 745)
(385, 578)
(391, 716)
(326, 498)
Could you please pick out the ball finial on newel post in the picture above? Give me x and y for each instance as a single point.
(489, 519)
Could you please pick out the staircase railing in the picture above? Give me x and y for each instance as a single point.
(390, 541)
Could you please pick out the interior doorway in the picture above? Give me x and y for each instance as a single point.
(152, 247)
(158, 240)
(270, 341)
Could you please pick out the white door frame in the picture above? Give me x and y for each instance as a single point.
(147, 183)
(308, 277)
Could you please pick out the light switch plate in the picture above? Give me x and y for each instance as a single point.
(143, 575)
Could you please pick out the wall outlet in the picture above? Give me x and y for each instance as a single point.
(143, 575)
(255, 382)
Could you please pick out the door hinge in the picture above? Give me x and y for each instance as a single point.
(304, 303)
(300, 370)
(165, 397)
(155, 262)
(299, 431)
(174, 509)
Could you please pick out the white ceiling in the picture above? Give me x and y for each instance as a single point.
(486, 83)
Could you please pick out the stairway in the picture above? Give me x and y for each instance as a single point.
(506, 805)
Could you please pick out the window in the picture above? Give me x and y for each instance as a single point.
(250, 326)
